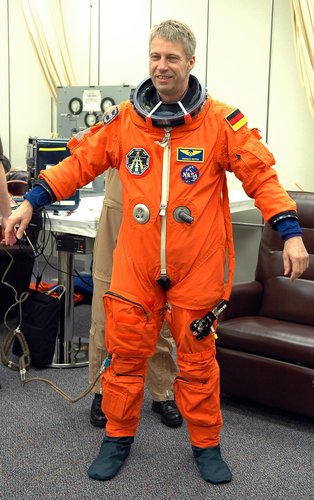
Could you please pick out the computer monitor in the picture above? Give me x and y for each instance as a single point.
(42, 154)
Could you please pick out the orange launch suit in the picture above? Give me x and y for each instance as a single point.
(192, 255)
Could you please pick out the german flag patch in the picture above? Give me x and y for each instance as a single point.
(236, 119)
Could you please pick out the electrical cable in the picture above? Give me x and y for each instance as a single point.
(60, 391)
(24, 360)
(16, 333)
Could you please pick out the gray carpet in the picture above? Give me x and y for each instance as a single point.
(48, 443)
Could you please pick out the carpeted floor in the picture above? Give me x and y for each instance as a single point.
(48, 443)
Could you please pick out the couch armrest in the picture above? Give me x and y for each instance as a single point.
(245, 300)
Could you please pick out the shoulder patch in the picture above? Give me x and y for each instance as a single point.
(137, 161)
(110, 114)
(236, 119)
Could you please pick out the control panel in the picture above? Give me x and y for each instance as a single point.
(74, 244)
(81, 107)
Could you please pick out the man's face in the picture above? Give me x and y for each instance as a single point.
(169, 68)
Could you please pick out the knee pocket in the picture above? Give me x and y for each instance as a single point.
(199, 402)
(198, 366)
(131, 326)
(123, 397)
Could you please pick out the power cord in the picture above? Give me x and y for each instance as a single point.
(16, 333)
(61, 392)
(24, 360)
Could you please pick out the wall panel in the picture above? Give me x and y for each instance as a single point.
(123, 42)
(77, 28)
(30, 97)
(238, 47)
(291, 125)
(4, 80)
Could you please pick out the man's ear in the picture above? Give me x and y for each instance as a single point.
(191, 63)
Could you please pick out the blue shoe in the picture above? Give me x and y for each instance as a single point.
(111, 457)
(211, 466)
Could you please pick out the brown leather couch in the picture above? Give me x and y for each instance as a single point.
(265, 345)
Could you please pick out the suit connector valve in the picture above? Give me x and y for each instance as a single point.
(202, 327)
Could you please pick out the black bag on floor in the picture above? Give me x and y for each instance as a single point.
(40, 325)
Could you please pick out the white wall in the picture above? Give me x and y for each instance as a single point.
(4, 80)
(291, 126)
(25, 101)
(238, 63)
(239, 55)
(108, 46)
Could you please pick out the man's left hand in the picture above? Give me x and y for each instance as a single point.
(295, 257)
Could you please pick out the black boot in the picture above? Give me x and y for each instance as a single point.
(169, 412)
(112, 455)
(97, 417)
(210, 465)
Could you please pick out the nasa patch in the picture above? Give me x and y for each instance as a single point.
(137, 161)
(190, 174)
(111, 114)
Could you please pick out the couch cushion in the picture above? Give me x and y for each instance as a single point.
(289, 300)
(268, 337)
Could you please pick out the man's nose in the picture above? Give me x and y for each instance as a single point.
(162, 64)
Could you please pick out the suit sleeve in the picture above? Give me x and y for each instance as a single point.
(249, 159)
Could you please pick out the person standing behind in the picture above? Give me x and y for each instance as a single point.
(161, 366)
(5, 206)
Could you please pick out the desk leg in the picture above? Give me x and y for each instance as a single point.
(65, 353)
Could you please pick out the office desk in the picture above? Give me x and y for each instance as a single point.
(84, 222)
(239, 201)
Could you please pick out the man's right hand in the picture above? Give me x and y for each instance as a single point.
(19, 217)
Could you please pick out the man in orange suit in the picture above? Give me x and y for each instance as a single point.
(172, 145)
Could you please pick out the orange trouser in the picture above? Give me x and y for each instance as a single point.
(131, 336)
